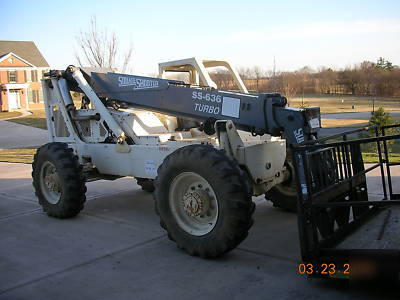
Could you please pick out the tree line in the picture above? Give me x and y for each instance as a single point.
(380, 78)
(98, 47)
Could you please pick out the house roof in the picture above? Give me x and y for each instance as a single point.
(18, 57)
(24, 49)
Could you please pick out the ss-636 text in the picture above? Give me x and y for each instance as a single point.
(206, 97)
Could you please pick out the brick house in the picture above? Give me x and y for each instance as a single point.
(21, 69)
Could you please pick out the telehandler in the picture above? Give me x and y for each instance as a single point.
(203, 151)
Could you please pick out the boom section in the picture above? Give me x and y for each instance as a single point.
(259, 113)
(175, 98)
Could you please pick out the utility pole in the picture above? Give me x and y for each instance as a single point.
(273, 76)
(373, 105)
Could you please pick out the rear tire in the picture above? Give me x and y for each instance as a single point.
(203, 200)
(284, 195)
(58, 180)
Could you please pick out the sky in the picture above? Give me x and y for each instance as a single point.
(247, 33)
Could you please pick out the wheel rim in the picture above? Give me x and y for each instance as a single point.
(289, 187)
(50, 183)
(193, 203)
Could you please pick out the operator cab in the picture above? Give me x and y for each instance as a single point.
(193, 71)
(197, 74)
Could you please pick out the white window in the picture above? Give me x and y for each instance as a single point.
(12, 76)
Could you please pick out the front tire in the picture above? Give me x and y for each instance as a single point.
(58, 180)
(203, 200)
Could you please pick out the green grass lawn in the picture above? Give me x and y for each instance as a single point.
(326, 123)
(9, 114)
(334, 104)
(373, 157)
(36, 119)
(17, 155)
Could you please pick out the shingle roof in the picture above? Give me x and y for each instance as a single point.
(24, 49)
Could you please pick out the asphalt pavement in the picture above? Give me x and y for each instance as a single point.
(115, 249)
(13, 135)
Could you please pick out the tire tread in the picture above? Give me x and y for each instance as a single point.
(74, 187)
(233, 184)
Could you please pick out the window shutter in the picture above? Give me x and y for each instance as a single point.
(28, 76)
(33, 77)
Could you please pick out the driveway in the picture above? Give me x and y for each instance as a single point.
(336, 130)
(115, 249)
(13, 135)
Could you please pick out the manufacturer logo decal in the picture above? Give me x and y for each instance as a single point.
(298, 134)
(137, 83)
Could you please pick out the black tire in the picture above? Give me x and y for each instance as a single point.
(231, 190)
(70, 182)
(284, 195)
(146, 184)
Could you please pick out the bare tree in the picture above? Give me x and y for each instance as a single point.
(244, 73)
(100, 48)
(368, 70)
(223, 79)
(258, 73)
(287, 83)
(326, 80)
(350, 79)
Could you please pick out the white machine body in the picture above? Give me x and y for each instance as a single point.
(88, 132)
